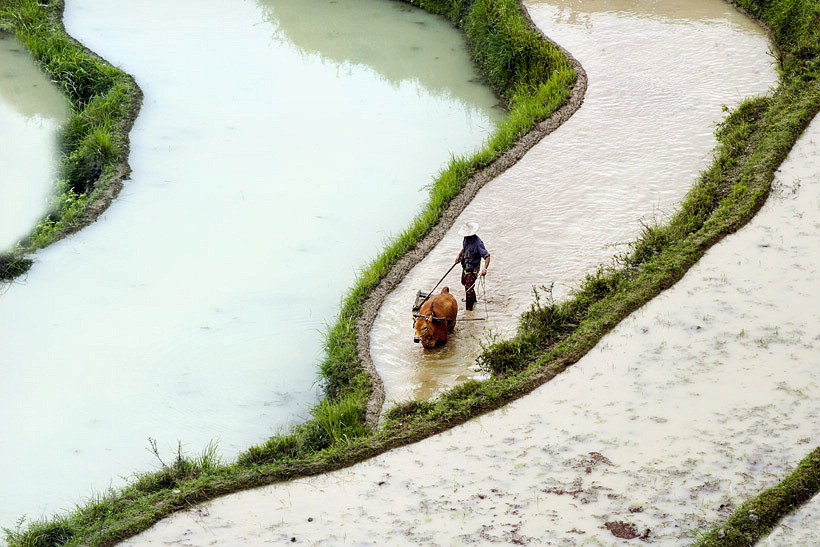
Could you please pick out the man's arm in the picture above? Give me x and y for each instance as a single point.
(458, 258)
(486, 265)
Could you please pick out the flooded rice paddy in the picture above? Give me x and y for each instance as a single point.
(31, 111)
(659, 74)
(276, 150)
(697, 401)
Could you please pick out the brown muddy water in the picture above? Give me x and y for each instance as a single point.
(697, 401)
(659, 74)
(279, 145)
(31, 111)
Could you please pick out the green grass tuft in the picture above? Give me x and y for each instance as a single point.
(94, 140)
(12, 265)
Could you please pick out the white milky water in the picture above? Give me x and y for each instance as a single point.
(696, 402)
(31, 111)
(659, 74)
(276, 150)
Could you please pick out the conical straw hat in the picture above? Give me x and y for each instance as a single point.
(468, 229)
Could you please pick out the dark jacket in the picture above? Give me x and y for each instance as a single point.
(472, 252)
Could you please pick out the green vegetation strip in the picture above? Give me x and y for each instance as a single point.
(535, 79)
(758, 516)
(94, 140)
(795, 28)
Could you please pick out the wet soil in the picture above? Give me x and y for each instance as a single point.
(622, 530)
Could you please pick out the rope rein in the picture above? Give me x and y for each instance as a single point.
(426, 298)
(433, 317)
(480, 281)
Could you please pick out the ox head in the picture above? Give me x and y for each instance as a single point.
(430, 330)
(424, 328)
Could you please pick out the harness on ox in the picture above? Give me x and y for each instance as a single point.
(432, 317)
(422, 297)
(417, 306)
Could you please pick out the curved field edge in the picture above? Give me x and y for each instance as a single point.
(93, 141)
(544, 85)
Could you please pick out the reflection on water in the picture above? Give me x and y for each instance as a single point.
(31, 110)
(367, 32)
(659, 74)
(264, 175)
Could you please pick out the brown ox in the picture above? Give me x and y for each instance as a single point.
(436, 319)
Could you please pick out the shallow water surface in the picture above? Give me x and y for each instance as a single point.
(659, 74)
(268, 166)
(31, 111)
(697, 401)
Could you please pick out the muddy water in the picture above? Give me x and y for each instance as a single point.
(697, 401)
(659, 73)
(31, 111)
(266, 171)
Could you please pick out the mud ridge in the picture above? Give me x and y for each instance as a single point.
(373, 303)
(104, 199)
(101, 200)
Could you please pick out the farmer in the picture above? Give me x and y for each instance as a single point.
(472, 251)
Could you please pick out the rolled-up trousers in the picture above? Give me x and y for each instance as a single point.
(468, 280)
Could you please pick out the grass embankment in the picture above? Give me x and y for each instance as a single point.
(535, 79)
(795, 25)
(94, 140)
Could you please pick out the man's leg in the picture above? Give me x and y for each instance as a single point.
(468, 280)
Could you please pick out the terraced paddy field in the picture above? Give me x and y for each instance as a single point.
(192, 311)
(696, 402)
(640, 439)
(659, 77)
